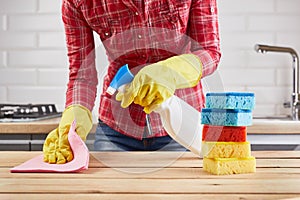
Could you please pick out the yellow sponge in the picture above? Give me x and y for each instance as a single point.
(224, 166)
(226, 149)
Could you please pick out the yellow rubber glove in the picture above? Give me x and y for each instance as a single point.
(155, 83)
(56, 147)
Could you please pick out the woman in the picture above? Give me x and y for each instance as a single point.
(168, 45)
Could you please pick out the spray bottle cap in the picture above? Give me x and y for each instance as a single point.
(122, 77)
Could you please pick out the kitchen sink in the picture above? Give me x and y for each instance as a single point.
(283, 117)
(274, 133)
(274, 124)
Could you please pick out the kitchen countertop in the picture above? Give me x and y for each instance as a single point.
(152, 175)
(260, 126)
(274, 126)
(33, 127)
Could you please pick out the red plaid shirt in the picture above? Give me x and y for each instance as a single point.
(136, 33)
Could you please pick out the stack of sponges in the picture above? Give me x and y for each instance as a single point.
(225, 148)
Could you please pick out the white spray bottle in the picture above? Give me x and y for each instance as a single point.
(181, 121)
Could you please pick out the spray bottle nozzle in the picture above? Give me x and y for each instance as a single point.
(122, 77)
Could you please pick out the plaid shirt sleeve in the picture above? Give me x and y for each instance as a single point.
(82, 85)
(203, 28)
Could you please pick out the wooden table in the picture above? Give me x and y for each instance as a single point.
(153, 175)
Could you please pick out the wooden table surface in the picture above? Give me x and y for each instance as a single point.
(153, 175)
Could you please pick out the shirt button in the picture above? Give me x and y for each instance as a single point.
(139, 36)
(136, 13)
(212, 10)
(106, 34)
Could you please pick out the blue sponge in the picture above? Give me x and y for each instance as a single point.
(226, 117)
(230, 100)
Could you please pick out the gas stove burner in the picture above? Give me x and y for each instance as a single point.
(27, 112)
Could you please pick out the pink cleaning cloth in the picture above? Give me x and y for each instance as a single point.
(80, 161)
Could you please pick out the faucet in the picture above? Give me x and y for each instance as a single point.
(295, 103)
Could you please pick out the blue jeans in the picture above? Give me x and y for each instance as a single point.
(107, 139)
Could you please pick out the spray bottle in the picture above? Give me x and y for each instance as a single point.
(181, 121)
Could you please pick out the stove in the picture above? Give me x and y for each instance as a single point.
(27, 112)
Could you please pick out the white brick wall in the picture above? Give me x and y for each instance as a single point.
(3, 22)
(49, 6)
(3, 94)
(37, 58)
(17, 40)
(34, 65)
(2, 59)
(51, 40)
(243, 23)
(18, 6)
(290, 6)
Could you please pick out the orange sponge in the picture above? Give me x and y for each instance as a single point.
(224, 133)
